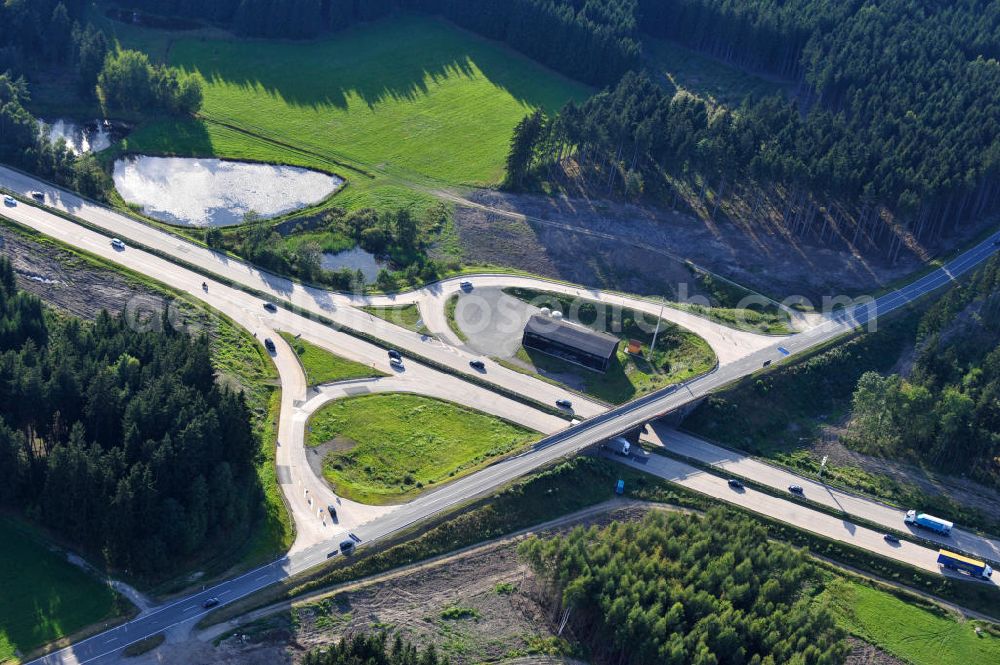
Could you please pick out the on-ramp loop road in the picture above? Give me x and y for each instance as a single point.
(598, 427)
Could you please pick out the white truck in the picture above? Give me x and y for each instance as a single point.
(619, 446)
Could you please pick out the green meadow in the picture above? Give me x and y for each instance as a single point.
(919, 635)
(388, 448)
(44, 596)
(408, 102)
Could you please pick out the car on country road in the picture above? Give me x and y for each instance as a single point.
(269, 345)
(564, 404)
(117, 244)
(735, 484)
(477, 364)
(9, 200)
(38, 196)
(271, 307)
(891, 539)
(211, 602)
(796, 489)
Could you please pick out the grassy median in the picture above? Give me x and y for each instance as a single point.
(322, 366)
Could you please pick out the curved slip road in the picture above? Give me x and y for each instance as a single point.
(566, 442)
(728, 343)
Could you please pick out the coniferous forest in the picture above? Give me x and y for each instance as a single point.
(684, 590)
(374, 650)
(892, 141)
(121, 441)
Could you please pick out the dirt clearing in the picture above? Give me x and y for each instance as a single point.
(566, 239)
(66, 281)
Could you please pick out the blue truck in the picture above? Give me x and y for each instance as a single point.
(929, 522)
(972, 566)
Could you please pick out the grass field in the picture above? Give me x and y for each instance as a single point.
(321, 366)
(387, 448)
(918, 635)
(679, 355)
(42, 596)
(407, 316)
(406, 100)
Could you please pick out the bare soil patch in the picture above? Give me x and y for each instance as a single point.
(652, 244)
(67, 282)
(316, 454)
(863, 653)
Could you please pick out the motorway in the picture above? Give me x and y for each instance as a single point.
(600, 426)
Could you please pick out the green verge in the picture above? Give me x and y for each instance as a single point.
(680, 355)
(405, 316)
(387, 448)
(921, 633)
(45, 597)
(385, 104)
(449, 312)
(322, 366)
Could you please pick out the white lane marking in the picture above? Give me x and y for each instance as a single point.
(188, 609)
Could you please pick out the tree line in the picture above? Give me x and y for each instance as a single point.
(399, 237)
(945, 412)
(894, 141)
(592, 40)
(50, 37)
(119, 440)
(685, 590)
(373, 650)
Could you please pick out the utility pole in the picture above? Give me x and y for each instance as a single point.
(657, 331)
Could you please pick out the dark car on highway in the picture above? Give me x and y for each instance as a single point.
(38, 196)
(466, 286)
(395, 355)
(346, 546)
(269, 345)
(211, 602)
(735, 484)
(332, 510)
(271, 307)
(889, 538)
(564, 404)
(477, 364)
(795, 489)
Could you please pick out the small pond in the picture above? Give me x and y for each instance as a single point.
(354, 259)
(83, 137)
(215, 192)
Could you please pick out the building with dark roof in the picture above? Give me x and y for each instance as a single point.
(570, 342)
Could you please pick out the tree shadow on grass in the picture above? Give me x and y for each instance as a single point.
(392, 59)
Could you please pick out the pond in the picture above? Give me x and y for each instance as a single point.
(215, 192)
(82, 137)
(354, 259)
